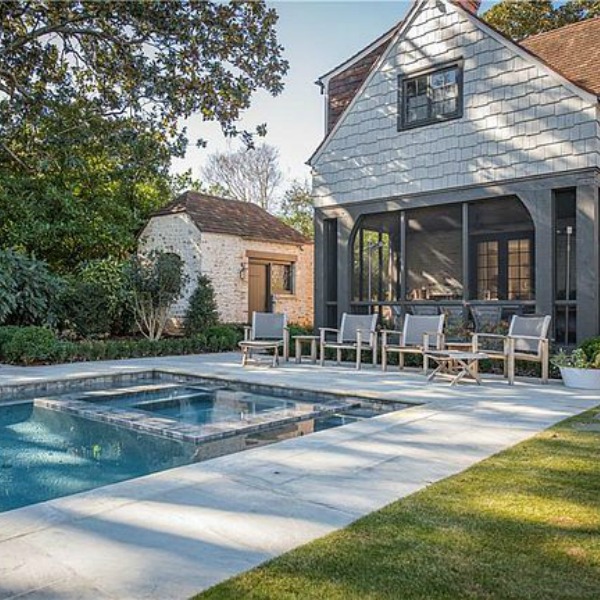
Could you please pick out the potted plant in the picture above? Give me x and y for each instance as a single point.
(578, 369)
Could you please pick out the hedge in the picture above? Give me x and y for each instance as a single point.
(37, 345)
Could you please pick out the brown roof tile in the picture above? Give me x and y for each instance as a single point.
(572, 50)
(231, 217)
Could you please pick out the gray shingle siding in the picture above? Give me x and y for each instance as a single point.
(518, 121)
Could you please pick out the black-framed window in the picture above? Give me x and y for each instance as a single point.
(430, 96)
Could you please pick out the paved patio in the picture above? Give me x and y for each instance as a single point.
(174, 533)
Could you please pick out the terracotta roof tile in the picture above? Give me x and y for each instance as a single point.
(572, 50)
(231, 217)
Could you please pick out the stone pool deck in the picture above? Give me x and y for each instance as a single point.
(174, 533)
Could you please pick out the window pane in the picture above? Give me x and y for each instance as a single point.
(431, 96)
(519, 269)
(487, 270)
(282, 279)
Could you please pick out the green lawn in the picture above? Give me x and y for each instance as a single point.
(522, 524)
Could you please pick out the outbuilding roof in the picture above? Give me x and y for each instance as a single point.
(232, 217)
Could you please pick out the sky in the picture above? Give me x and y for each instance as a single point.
(317, 36)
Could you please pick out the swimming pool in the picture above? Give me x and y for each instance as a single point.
(46, 454)
(53, 446)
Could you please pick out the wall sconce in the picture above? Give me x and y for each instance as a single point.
(243, 270)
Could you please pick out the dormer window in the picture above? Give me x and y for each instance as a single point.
(430, 96)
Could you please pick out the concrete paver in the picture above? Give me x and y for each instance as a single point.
(171, 534)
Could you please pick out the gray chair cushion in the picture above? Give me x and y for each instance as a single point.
(352, 323)
(268, 326)
(530, 327)
(415, 326)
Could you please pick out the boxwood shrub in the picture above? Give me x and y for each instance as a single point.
(37, 345)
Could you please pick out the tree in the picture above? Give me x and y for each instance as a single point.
(159, 62)
(247, 174)
(155, 281)
(518, 19)
(202, 310)
(85, 184)
(297, 208)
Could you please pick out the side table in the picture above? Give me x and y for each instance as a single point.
(305, 339)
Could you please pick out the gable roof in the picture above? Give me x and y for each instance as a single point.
(572, 50)
(580, 70)
(232, 217)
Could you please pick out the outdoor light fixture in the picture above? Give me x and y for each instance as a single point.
(243, 270)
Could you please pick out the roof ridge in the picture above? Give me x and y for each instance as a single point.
(557, 29)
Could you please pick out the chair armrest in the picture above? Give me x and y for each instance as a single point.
(386, 332)
(440, 337)
(323, 331)
(534, 338)
(368, 332)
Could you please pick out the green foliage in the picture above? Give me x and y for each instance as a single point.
(202, 309)
(87, 308)
(518, 19)
(84, 187)
(28, 290)
(160, 62)
(591, 347)
(155, 281)
(29, 345)
(297, 209)
(109, 275)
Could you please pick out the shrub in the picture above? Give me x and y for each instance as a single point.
(6, 335)
(109, 275)
(202, 310)
(591, 347)
(87, 309)
(30, 345)
(155, 282)
(28, 290)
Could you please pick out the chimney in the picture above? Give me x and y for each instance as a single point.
(471, 6)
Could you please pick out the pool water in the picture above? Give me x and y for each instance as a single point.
(62, 445)
(46, 454)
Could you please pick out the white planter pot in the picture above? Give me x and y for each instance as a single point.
(585, 379)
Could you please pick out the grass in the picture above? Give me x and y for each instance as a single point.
(522, 524)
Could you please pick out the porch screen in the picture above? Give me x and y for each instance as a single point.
(502, 246)
(375, 258)
(434, 253)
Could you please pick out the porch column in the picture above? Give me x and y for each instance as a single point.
(319, 271)
(345, 225)
(588, 276)
(539, 204)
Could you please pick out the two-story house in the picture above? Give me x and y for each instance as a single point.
(460, 168)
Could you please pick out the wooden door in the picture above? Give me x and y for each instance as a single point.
(258, 288)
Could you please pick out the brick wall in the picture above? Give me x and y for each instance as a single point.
(518, 121)
(223, 256)
(176, 233)
(220, 257)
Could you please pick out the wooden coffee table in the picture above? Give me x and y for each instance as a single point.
(456, 364)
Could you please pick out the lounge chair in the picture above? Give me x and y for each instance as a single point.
(527, 339)
(356, 332)
(419, 333)
(269, 331)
